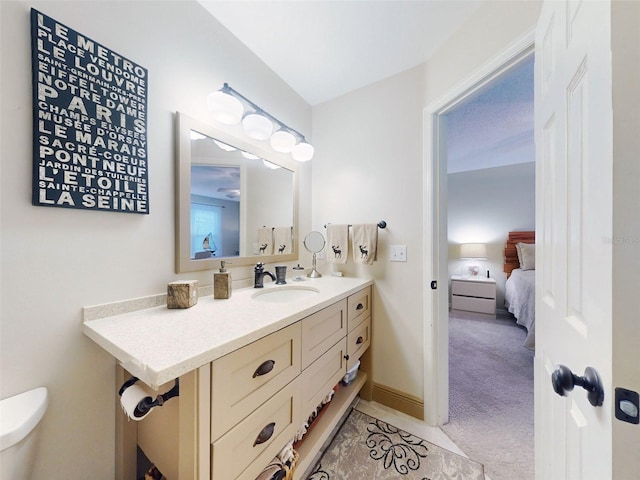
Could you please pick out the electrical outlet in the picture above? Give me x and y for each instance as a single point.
(398, 253)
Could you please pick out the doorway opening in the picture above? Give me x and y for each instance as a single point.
(436, 240)
(490, 158)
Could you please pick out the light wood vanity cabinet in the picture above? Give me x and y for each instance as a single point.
(249, 376)
(359, 307)
(321, 376)
(349, 317)
(322, 330)
(253, 400)
(248, 447)
(358, 340)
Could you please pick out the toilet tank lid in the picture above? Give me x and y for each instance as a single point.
(20, 414)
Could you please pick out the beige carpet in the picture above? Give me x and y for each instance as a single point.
(366, 448)
(491, 395)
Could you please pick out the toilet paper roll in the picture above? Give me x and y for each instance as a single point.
(132, 397)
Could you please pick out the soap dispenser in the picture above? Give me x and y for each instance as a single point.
(222, 282)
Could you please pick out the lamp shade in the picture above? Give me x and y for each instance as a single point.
(225, 108)
(473, 250)
(257, 126)
(282, 141)
(302, 152)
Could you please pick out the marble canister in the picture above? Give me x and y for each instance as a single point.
(182, 294)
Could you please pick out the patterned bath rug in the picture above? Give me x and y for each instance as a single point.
(366, 448)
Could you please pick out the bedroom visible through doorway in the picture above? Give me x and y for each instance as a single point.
(490, 159)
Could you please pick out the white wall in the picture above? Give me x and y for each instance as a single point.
(483, 206)
(54, 261)
(368, 167)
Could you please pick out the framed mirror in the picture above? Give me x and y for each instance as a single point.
(235, 201)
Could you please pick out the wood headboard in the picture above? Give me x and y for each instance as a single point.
(510, 254)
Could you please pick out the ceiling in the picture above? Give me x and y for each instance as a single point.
(495, 127)
(326, 48)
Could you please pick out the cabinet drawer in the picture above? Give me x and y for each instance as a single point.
(473, 289)
(359, 306)
(470, 304)
(322, 330)
(358, 340)
(321, 376)
(241, 453)
(247, 377)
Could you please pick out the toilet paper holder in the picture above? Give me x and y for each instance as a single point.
(146, 404)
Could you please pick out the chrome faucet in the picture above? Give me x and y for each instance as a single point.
(260, 272)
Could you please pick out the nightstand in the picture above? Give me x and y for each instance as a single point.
(473, 295)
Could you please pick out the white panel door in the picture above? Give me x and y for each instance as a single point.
(574, 227)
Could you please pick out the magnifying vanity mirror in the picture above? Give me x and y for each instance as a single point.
(230, 193)
(314, 243)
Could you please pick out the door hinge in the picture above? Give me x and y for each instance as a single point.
(434, 284)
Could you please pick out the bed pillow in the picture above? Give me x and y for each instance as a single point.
(519, 253)
(527, 256)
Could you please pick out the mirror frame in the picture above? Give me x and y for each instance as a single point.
(184, 263)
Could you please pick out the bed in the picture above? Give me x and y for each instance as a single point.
(520, 287)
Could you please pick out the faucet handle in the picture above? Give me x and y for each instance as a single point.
(259, 267)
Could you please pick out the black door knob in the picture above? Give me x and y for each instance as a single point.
(563, 381)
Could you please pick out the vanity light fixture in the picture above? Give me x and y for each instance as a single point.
(257, 123)
(249, 156)
(224, 146)
(302, 152)
(270, 165)
(225, 108)
(196, 135)
(282, 141)
(257, 126)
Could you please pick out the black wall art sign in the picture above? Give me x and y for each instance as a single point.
(89, 123)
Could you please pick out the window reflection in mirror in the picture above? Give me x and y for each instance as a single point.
(215, 202)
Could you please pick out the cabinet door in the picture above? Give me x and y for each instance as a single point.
(246, 449)
(358, 340)
(322, 375)
(322, 330)
(359, 307)
(247, 377)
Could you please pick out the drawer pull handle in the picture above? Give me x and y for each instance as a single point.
(265, 434)
(359, 340)
(346, 357)
(264, 368)
(360, 306)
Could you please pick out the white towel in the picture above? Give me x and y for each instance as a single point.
(265, 241)
(338, 241)
(287, 454)
(282, 239)
(365, 243)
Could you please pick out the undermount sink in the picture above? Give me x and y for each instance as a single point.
(285, 294)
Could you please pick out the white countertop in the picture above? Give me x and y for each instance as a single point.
(159, 344)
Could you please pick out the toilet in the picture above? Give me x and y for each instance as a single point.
(19, 418)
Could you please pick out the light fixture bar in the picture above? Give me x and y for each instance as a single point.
(231, 91)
